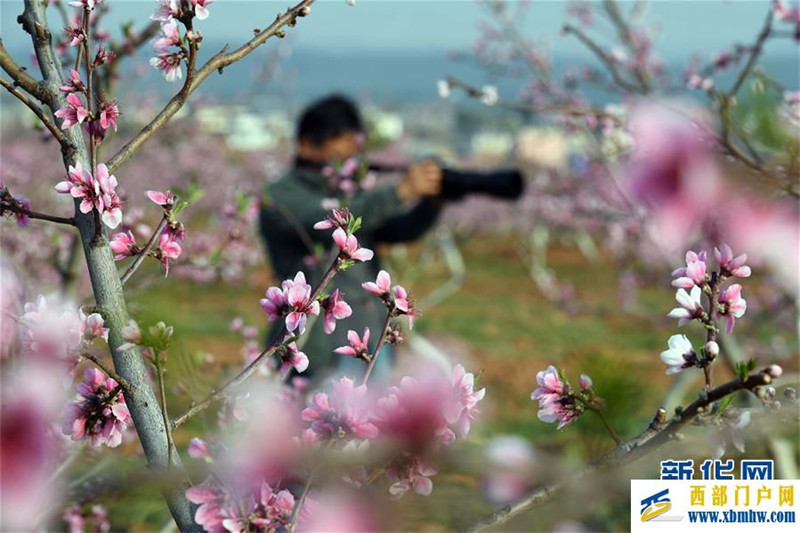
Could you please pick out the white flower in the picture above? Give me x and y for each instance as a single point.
(443, 88)
(681, 354)
(490, 95)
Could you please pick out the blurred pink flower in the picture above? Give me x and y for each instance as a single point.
(93, 414)
(461, 411)
(358, 347)
(553, 395)
(585, 382)
(672, 172)
(198, 449)
(213, 508)
(342, 415)
(733, 305)
(166, 10)
(334, 308)
(73, 113)
(410, 473)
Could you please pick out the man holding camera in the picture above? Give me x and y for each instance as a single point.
(329, 131)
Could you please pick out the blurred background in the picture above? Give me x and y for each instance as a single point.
(568, 275)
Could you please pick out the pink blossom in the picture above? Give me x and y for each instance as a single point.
(381, 286)
(52, 331)
(124, 245)
(86, 4)
(168, 250)
(213, 507)
(76, 518)
(463, 407)
(403, 304)
(92, 414)
(164, 199)
(107, 202)
(334, 308)
(132, 336)
(691, 305)
(170, 36)
(103, 56)
(291, 357)
(413, 413)
(730, 266)
(298, 295)
(108, 115)
(585, 382)
(75, 34)
(342, 415)
(73, 113)
(693, 274)
(551, 386)
(92, 327)
(74, 84)
(22, 218)
(200, 10)
(734, 306)
(166, 10)
(275, 304)
(680, 355)
(359, 347)
(339, 218)
(198, 449)
(348, 246)
(169, 64)
(410, 473)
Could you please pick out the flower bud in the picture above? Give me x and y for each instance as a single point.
(585, 382)
(790, 393)
(774, 371)
(769, 393)
(712, 350)
(304, 11)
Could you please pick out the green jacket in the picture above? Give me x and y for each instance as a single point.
(289, 209)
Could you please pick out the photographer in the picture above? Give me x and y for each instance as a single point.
(331, 131)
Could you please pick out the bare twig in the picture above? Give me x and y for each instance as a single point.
(604, 58)
(216, 63)
(163, 394)
(7, 206)
(381, 342)
(656, 435)
(149, 246)
(755, 52)
(48, 123)
(123, 383)
(21, 77)
(226, 389)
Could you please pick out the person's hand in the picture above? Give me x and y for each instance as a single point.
(422, 179)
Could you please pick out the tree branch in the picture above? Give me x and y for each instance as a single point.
(755, 52)
(607, 61)
(216, 63)
(149, 246)
(656, 435)
(22, 78)
(14, 208)
(48, 123)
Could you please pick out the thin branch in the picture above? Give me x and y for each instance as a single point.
(123, 383)
(7, 206)
(149, 246)
(656, 435)
(381, 342)
(604, 58)
(755, 53)
(225, 390)
(163, 394)
(216, 63)
(296, 511)
(21, 77)
(48, 123)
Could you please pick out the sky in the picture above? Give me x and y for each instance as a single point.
(440, 25)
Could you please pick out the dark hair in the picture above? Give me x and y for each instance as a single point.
(328, 118)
